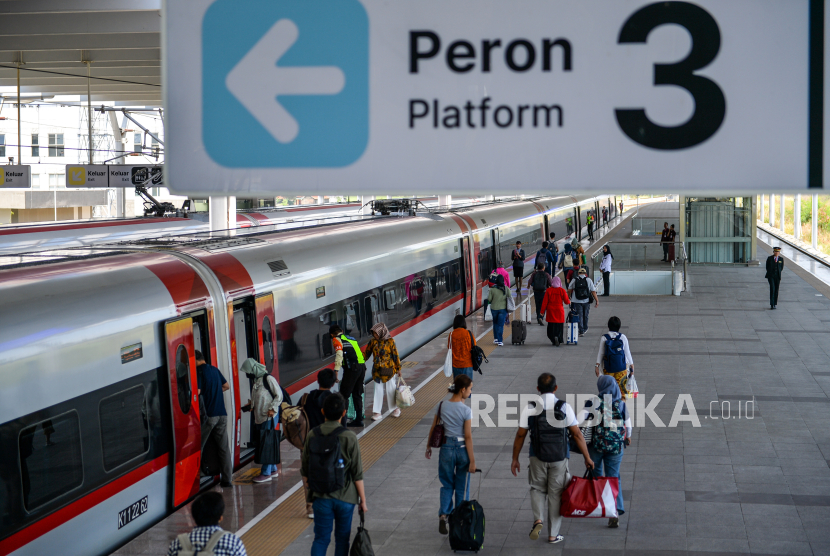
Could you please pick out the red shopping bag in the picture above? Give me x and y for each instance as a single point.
(590, 497)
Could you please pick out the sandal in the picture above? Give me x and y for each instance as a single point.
(556, 539)
(376, 416)
(537, 529)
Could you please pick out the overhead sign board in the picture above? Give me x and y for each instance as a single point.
(15, 176)
(476, 96)
(86, 175)
(147, 175)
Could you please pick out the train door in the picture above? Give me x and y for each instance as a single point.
(494, 256)
(184, 407)
(266, 333)
(469, 284)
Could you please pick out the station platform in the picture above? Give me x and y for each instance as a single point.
(754, 483)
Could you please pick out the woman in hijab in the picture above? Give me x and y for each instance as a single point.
(553, 308)
(605, 267)
(386, 366)
(264, 405)
(497, 300)
(609, 438)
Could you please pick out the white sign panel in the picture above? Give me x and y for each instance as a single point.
(15, 176)
(86, 175)
(147, 175)
(491, 96)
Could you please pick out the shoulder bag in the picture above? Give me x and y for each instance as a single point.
(436, 440)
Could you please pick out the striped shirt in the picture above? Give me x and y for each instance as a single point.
(228, 545)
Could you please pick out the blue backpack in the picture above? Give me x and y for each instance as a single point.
(614, 354)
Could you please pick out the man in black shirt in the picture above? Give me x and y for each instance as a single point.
(312, 402)
(212, 385)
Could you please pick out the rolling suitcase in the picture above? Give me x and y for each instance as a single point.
(572, 328)
(671, 252)
(467, 525)
(519, 331)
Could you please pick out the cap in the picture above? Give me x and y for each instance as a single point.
(776, 249)
(583, 271)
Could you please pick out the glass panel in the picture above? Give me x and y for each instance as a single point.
(268, 344)
(183, 378)
(389, 298)
(50, 459)
(124, 427)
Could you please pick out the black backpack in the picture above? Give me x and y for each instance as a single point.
(477, 355)
(550, 443)
(581, 288)
(326, 470)
(541, 257)
(540, 281)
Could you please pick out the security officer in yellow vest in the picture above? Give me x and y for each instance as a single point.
(775, 266)
(349, 357)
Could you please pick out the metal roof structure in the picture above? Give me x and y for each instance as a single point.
(51, 41)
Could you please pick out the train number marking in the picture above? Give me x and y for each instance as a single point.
(127, 515)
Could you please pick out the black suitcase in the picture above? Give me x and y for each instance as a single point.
(519, 334)
(467, 525)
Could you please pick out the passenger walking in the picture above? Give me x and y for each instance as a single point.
(672, 236)
(621, 207)
(540, 281)
(605, 267)
(582, 291)
(461, 341)
(608, 440)
(775, 266)
(312, 403)
(518, 257)
(552, 307)
(207, 537)
(349, 359)
(664, 241)
(386, 367)
(569, 260)
(590, 220)
(545, 257)
(552, 247)
(266, 397)
(548, 473)
(500, 270)
(211, 386)
(456, 460)
(604, 217)
(614, 355)
(332, 471)
(497, 300)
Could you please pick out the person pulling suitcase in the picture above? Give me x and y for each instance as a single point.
(466, 523)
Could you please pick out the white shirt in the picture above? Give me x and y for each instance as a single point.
(601, 353)
(591, 288)
(605, 265)
(548, 403)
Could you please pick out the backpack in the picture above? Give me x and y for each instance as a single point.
(493, 279)
(208, 550)
(581, 288)
(294, 424)
(541, 258)
(477, 355)
(326, 470)
(614, 354)
(608, 437)
(540, 281)
(568, 261)
(550, 443)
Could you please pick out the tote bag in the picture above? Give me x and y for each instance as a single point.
(448, 363)
(268, 449)
(590, 496)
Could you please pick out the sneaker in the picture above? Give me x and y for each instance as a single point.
(495, 342)
(309, 511)
(397, 412)
(442, 526)
(613, 522)
(534, 533)
(539, 320)
(499, 343)
(262, 479)
(376, 416)
(556, 539)
(556, 341)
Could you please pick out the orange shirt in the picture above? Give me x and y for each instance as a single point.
(462, 341)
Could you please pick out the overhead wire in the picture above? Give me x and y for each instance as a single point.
(82, 76)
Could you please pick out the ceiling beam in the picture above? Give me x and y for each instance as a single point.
(79, 23)
(33, 59)
(70, 6)
(98, 39)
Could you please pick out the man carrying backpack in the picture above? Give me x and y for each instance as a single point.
(539, 282)
(581, 290)
(312, 403)
(207, 538)
(349, 357)
(614, 355)
(545, 257)
(332, 471)
(549, 453)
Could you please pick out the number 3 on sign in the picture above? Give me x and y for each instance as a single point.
(710, 104)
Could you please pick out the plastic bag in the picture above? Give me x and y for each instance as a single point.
(632, 387)
(488, 315)
(448, 364)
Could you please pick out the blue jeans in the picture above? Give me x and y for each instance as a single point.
(612, 469)
(582, 309)
(332, 514)
(462, 371)
(499, 316)
(454, 474)
(267, 469)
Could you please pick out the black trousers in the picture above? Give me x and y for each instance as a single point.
(773, 290)
(665, 251)
(538, 296)
(352, 385)
(606, 282)
(591, 232)
(556, 330)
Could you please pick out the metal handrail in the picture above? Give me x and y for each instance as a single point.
(681, 258)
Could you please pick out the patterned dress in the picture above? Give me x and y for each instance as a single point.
(384, 354)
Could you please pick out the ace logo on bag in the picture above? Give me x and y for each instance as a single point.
(590, 497)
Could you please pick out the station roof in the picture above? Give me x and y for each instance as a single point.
(53, 38)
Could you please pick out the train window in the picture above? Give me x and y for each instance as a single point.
(285, 336)
(124, 423)
(327, 349)
(268, 344)
(370, 310)
(389, 298)
(183, 378)
(456, 277)
(445, 276)
(50, 459)
(403, 297)
(432, 276)
(352, 321)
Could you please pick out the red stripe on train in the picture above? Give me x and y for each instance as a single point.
(76, 508)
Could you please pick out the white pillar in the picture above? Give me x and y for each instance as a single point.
(814, 222)
(761, 208)
(444, 200)
(232, 213)
(797, 217)
(781, 212)
(120, 202)
(320, 200)
(363, 200)
(222, 213)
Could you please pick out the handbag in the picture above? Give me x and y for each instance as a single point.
(448, 363)
(511, 303)
(590, 496)
(362, 544)
(436, 440)
(268, 448)
(403, 395)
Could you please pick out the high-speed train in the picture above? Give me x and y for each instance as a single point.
(99, 420)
